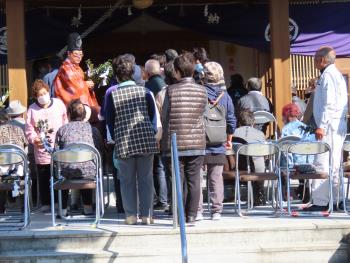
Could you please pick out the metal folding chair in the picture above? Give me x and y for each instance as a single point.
(310, 148)
(283, 144)
(11, 154)
(76, 153)
(258, 150)
(262, 117)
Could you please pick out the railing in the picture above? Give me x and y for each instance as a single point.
(178, 207)
(3, 80)
(302, 70)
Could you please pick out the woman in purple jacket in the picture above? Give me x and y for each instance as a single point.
(215, 154)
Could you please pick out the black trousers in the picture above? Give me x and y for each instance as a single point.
(119, 202)
(44, 183)
(190, 167)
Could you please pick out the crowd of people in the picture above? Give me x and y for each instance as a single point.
(132, 127)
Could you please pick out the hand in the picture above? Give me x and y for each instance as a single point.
(228, 145)
(38, 142)
(319, 133)
(90, 84)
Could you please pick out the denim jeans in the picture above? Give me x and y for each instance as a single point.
(136, 184)
(160, 180)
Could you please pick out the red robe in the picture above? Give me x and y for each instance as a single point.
(70, 84)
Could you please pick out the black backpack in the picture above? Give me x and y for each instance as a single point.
(215, 122)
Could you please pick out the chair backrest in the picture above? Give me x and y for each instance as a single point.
(262, 117)
(309, 148)
(285, 142)
(11, 154)
(258, 149)
(237, 142)
(78, 152)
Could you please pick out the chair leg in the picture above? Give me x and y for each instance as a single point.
(238, 200)
(280, 194)
(26, 201)
(268, 192)
(288, 196)
(98, 205)
(52, 202)
(250, 196)
(235, 197)
(101, 192)
(330, 186)
(273, 197)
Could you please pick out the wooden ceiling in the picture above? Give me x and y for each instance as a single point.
(108, 3)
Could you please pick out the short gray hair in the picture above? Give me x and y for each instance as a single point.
(152, 67)
(328, 53)
(254, 84)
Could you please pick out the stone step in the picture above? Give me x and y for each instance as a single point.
(299, 252)
(246, 233)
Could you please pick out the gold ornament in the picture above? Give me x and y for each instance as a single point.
(142, 4)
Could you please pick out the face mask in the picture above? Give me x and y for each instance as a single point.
(45, 99)
(198, 67)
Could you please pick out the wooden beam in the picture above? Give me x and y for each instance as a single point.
(16, 55)
(280, 53)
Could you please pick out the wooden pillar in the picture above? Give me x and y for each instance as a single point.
(280, 52)
(16, 55)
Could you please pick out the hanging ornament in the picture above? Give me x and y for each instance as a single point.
(206, 10)
(129, 11)
(213, 18)
(76, 19)
(142, 4)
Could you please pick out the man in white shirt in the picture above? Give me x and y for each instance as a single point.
(330, 108)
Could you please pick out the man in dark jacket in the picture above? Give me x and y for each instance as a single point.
(182, 113)
(155, 81)
(254, 101)
(155, 84)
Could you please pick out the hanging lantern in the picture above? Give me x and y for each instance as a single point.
(142, 4)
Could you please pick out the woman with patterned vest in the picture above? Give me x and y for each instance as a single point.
(183, 113)
(132, 119)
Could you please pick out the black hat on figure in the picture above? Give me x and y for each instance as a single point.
(74, 42)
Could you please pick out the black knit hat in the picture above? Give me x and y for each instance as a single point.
(74, 42)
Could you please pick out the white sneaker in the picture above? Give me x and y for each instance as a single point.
(199, 217)
(88, 210)
(216, 216)
(147, 220)
(131, 220)
(64, 212)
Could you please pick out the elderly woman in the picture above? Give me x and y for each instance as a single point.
(132, 121)
(215, 154)
(45, 116)
(10, 134)
(294, 127)
(78, 130)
